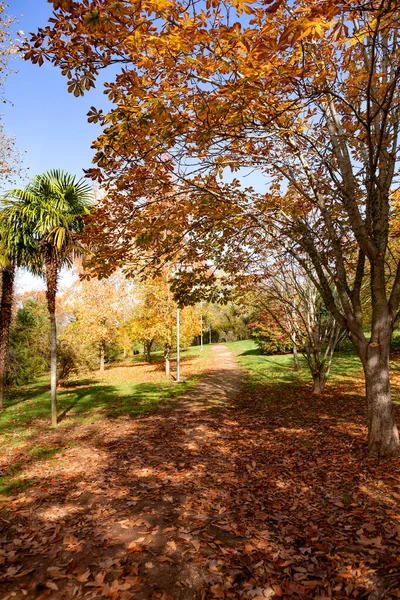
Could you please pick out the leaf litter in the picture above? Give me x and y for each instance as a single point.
(234, 492)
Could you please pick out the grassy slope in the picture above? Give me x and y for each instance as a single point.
(27, 410)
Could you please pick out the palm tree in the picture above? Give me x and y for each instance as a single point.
(52, 207)
(17, 249)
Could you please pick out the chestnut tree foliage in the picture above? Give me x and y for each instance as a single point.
(306, 92)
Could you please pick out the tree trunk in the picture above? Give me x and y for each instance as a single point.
(7, 294)
(383, 437)
(167, 358)
(295, 356)
(147, 351)
(319, 381)
(102, 353)
(53, 367)
(125, 353)
(51, 264)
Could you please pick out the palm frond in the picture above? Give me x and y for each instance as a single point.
(50, 209)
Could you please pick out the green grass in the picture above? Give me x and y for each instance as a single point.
(86, 399)
(11, 480)
(277, 370)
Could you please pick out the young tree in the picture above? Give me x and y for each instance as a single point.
(96, 309)
(290, 297)
(306, 92)
(146, 319)
(51, 209)
(154, 319)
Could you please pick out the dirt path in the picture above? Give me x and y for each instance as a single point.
(219, 388)
(127, 515)
(211, 497)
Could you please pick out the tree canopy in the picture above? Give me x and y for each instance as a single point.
(306, 93)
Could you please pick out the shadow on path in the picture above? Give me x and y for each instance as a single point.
(230, 493)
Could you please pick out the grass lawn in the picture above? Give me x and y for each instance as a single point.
(127, 389)
(277, 371)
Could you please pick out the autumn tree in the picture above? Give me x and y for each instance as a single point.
(147, 318)
(154, 318)
(228, 321)
(269, 336)
(96, 310)
(288, 295)
(307, 92)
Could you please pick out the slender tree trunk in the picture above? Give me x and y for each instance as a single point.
(317, 368)
(167, 358)
(52, 265)
(53, 367)
(7, 294)
(102, 353)
(383, 436)
(295, 355)
(124, 352)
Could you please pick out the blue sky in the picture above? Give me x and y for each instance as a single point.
(49, 124)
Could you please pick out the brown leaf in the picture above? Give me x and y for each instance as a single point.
(83, 576)
(55, 573)
(134, 547)
(52, 585)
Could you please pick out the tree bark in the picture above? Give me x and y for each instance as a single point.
(51, 264)
(319, 381)
(383, 436)
(295, 356)
(102, 353)
(147, 351)
(53, 367)
(167, 358)
(7, 295)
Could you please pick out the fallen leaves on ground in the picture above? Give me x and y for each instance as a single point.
(270, 496)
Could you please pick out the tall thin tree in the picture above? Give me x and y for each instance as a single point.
(18, 248)
(52, 208)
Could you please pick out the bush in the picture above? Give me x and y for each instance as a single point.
(272, 345)
(75, 358)
(269, 337)
(29, 348)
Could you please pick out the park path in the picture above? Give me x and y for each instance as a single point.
(219, 387)
(225, 493)
(135, 512)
